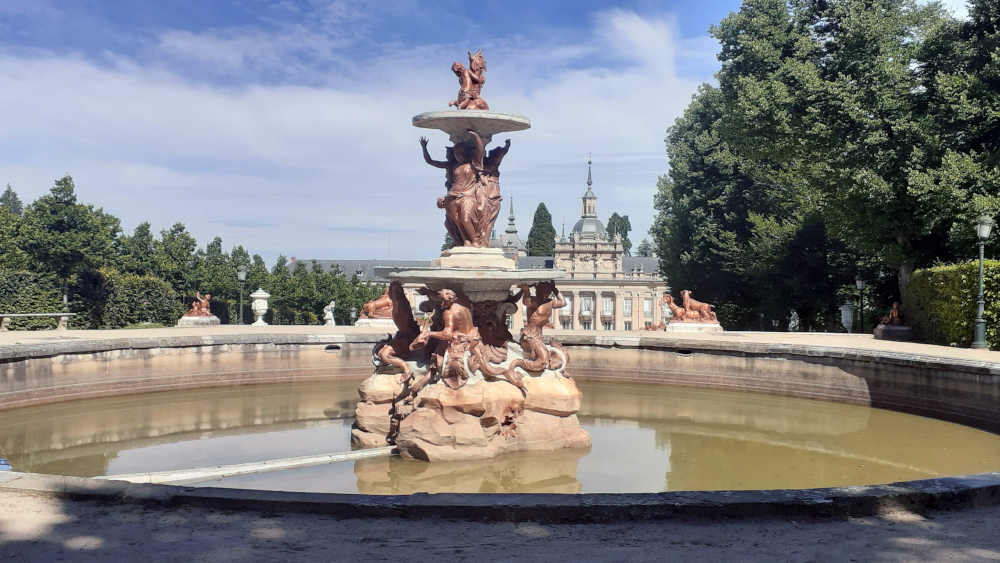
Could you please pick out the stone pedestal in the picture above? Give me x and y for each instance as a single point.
(381, 324)
(893, 332)
(193, 321)
(688, 328)
(479, 420)
(472, 257)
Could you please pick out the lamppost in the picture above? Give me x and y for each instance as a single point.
(983, 226)
(241, 274)
(860, 283)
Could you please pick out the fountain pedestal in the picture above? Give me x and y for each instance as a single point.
(485, 414)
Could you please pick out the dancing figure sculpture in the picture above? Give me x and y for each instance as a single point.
(491, 198)
(470, 82)
(463, 203)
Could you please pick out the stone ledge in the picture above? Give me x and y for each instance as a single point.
(729, 345)
(931, 494)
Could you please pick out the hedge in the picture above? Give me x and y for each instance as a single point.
(127, 299)
(940, 303)
(30, 292)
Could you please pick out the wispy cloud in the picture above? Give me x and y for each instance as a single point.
(310, 153)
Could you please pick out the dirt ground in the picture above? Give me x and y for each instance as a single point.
(41, 528)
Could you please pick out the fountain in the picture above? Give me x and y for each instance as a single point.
(458, 386)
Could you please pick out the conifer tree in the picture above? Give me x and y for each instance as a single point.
(542, 237)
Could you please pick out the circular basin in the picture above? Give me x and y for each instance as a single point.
(646, 438)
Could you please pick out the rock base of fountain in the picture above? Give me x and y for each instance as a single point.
(481, 419)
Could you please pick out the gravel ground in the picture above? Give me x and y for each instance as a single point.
(41, 528)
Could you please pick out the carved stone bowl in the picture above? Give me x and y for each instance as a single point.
(456, 122)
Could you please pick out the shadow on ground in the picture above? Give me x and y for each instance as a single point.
(42, 528)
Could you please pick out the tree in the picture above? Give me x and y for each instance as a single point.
(12, 256)
(174, 259)
(10, 201)
(448, 242)
(645, 249)
(619, 225)
(67, 238)
(834, 94)
(137, 252)
(542, 236)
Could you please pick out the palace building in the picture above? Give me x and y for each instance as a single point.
(605, 290)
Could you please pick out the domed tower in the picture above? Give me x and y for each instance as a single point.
(589, 227)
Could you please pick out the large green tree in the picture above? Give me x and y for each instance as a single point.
(833, 96)
(542, 236)
(65, 237)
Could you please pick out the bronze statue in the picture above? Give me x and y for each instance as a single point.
(539, 309)
(378, 308)
(702, 309)
(456, 337)
(463, 202)
(680, 314)
(894, 318)
(470, 82)
(491, 198)
(392, 350)
(200, 306)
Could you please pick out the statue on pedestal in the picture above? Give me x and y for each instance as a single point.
(200, 306)
(378, 308)
(470, 82)
(472, 196)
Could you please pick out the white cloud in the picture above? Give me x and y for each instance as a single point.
(333, 169)
(958, 8)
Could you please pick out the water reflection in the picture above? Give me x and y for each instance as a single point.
(645, 438)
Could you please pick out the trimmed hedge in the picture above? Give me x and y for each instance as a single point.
(940, 303)
(129, 299)
(30, 292)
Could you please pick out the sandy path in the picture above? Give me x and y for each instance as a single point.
(41, 528)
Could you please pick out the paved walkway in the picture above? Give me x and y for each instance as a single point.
(835, 340)
(39, 528)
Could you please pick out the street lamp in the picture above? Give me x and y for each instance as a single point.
(860, 283)
(983, 226)
(241, 274)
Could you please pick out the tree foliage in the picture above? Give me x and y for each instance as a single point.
(542, 236)
(114, 279)
(645, 249)
(844, 137)
(619, 225)
(10, 201)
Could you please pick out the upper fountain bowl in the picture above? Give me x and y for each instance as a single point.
(456, 122)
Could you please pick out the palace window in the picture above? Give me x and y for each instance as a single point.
(586, 325)
(607, 305)
(628, 325)
(587, 304)
(647, 307)
(607, 325)
(627, 306)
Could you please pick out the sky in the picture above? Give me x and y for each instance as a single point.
(284, 125)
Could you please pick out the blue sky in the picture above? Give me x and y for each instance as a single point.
(284, 125)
